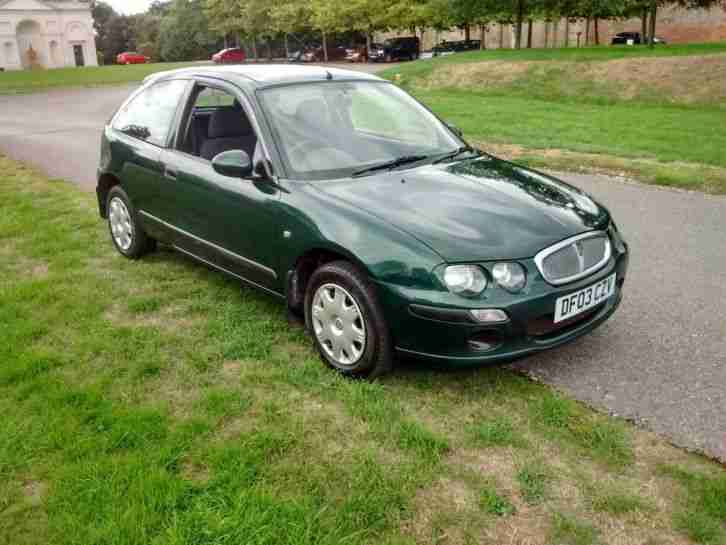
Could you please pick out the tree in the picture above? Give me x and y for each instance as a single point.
(327, 17)
(145, 29)
(289, 16)
(366, 16)
(184, 32)
(225, 17)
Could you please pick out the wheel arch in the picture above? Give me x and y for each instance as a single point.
(105, 182)
(302, 269)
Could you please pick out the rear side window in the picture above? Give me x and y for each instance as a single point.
(150, 114)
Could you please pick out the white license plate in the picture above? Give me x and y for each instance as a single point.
(578, 302)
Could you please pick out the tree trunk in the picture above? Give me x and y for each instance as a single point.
(482, 37)
(567, 32)
(325, 47)
(587, 31)
(644, 23)
(226, 43)
(529, 33)
(501, 35)
(653, 14)
(467, 32)
(254, 48)
(597, 32)
(520, 19)
(555, 32)
(287, 48)
(547, 34)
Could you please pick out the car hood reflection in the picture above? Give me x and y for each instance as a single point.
(475, 210)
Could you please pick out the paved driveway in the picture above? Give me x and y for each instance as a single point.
(661, 360)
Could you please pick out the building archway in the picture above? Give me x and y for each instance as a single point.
(30, 43)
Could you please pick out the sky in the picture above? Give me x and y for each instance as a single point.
(128, 7)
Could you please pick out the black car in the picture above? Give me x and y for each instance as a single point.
(395, 49)
(447, 48)
(623, 38)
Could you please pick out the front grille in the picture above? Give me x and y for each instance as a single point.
(574, 258)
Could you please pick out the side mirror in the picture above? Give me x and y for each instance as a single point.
(456, 130)
(234, 163)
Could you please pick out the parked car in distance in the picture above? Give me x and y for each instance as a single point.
(356, 54)
(369, 217)
(315, 54)
(131, 57)
(634, 38)
(230, 55)
(450, 47)
(396, 49)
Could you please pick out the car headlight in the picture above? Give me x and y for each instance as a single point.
(466, 280)
(511, 276)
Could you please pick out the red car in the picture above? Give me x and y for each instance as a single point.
(130, 57)
(230, 55)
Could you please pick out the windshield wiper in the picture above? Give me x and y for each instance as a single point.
(453, 154)
(397, 162)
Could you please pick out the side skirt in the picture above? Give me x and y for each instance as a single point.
(228, 272)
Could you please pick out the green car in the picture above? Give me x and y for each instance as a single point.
(370, 218)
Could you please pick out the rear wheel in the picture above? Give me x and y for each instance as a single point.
(347, 322)
(127, 233)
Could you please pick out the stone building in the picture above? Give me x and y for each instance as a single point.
(46, 33)
(674, 24)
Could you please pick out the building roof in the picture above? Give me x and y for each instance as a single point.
(45, 5)
(261, 75)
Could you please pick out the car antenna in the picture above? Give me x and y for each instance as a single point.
(328, 75)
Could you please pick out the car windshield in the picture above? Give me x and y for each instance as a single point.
(334, 129)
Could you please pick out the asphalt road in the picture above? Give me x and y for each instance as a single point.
(661, 360)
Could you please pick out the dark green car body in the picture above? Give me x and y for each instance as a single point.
(400, 226)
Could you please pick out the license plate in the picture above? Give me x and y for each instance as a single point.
(578, 302)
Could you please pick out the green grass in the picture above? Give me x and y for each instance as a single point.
(567, 530)
(702, 513)
(494, 503)
(534, 478)
(547, 107)
(618, 502)
(157, 402)
(497, 432)
(25, 81)
(594, 53)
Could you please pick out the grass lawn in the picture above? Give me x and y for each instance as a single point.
(156, 402)
(25, 81)
(659, 114)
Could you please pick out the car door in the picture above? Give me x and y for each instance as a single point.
(228, 222)
(141, 130)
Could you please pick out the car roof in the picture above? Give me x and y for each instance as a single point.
(264, 75)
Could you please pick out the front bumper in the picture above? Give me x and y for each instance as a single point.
(427, 324)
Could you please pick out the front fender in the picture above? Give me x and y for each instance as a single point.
(312, 220)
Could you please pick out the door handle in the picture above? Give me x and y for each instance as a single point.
(170, 173)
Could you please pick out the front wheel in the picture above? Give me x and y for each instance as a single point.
(127, 233)
(347, 322)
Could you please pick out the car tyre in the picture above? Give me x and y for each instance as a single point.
(126, 232)
(357, 314)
